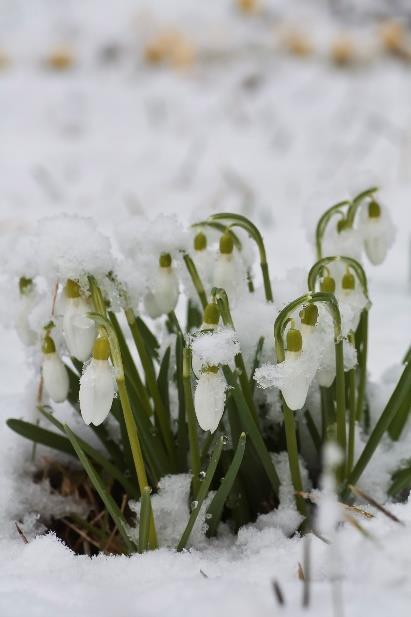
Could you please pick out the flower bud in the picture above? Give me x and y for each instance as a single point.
(211, 316)
(200, 242)
(55, 376)
(209, 398)
(294, 340)
(27, 299)
(97, 385)
(348, 282)
(309, 317)
(163, 297)
(226, 243)
(79, 330)
(327, 285)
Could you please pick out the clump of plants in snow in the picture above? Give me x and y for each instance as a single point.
(217, 393)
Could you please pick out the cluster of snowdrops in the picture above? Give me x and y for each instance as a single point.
(244, 372)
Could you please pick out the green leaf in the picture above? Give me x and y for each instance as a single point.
(99, 458)
(202, 493)
(106, 498)
(401, 393)
(401, 480)
(162, 380)
(256, 362)
(41, 435)
(150, 341)
(182, 431)
(215, 509)
(252, 430)
(144, 526)
(312, 429)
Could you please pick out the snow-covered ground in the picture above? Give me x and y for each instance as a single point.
(245, 128)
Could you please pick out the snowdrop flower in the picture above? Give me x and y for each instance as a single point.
(378, 233)
(295, 388)
(163, 297)
(226, 271)
(209, 398)
(309, 317)
(210, 322)
(327, 284)
(343, 240)
(97, 385)
(27, 299)
(352, 302)
(79, 330)
(55, 376)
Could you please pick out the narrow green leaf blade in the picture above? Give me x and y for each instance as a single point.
(202, 493)
(215, 508)
(40, 435)
(144, 526)
(106, 498)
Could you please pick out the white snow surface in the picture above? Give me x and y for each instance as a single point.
(247, 129)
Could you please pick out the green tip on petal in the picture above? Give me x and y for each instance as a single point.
(348, 281)
(72, 289)
(341, 225)
(48, 345)
(226, 243)
(25, 284)
(101, 349)
(294, 340)
(211, 314)
(327, 285)
(374, 210)
(200, 242)
(309, 315)
(165, 260)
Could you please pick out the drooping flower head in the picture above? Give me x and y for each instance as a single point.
(97, 388)
(55, 376)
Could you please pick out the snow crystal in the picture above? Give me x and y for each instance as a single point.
(215, 348)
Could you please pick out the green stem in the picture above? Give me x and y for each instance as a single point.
(340, 399)
(357, 202)
(195, 277)
(191, 421)
(292, 449)
(136, 450)
(352, 416)
(323, 222)
(362, 361)
(401, 393)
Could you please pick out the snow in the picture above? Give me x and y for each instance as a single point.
(244, 129)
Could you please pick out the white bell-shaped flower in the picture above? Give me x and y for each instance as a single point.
(202, 258)
(163, 297)
(343, 240)
(227, 274)
(295, 374)
(378, 233)
(27, 300)
(209, 398)
(309, 317)
(210, 323)
(97, 388)
(352, 302)
(79, 330)
(55, 375)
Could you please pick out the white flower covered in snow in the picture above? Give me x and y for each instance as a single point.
(97, 388)
(209, 398)
(294, 375)
(79, 330)
(163, 295)
(378, 232)
(27, 300)
(210, 323)
(352, 301)
(202, 259)
(55, 376)
(227, 273)
(214, 347)
(343, 240)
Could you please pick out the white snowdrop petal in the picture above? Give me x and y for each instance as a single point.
(163, 297)
(209, 400)
(96, 392)
(79, 330)
(55, 377)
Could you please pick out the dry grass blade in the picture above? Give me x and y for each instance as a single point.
(354, 523)
(81, 533)
(359, 493)
(278, 592)
(355, 509)
(21, 534)
(203, 574)
(301, 576)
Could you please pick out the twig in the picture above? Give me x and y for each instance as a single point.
(359, 493)
(278, 592)
(21, 534)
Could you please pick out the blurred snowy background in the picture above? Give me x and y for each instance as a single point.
(275, 108)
